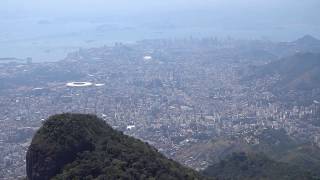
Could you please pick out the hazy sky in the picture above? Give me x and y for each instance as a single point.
(308, 8)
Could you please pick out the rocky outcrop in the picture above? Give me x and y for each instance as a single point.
(77, 146)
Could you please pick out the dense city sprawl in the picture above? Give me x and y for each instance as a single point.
(169, 93)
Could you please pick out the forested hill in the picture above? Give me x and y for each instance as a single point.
(76, 146)
(79, 146)
(300, 71)
(255, 167)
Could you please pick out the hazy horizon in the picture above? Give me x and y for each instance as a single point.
(47, 30)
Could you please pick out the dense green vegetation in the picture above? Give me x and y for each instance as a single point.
(75, 146)
(254, 166)
(305, 156)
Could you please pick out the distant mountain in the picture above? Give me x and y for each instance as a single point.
(307, 40)
(305, 44)
(254, 166)
(76, 146)
(300, 71)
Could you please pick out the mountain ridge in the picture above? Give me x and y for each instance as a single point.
(78, 146)
(299, 72)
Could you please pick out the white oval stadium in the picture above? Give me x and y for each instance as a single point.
(79, 84)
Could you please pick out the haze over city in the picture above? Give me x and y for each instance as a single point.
(171, 89)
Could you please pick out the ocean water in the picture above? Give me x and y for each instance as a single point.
(46, 40)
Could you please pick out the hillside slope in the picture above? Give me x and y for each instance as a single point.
(276, 146)
(301, 71)
(76, 146)
(254, 166)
